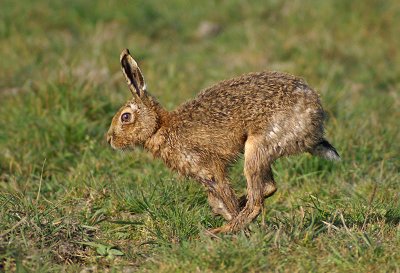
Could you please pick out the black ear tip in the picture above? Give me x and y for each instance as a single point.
(124, 53)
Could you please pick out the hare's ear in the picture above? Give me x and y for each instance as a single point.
(132, 74)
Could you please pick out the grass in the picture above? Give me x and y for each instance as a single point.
(70, 203)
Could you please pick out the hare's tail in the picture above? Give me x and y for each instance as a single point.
(325, 150)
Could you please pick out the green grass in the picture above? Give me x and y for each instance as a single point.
(70, 203)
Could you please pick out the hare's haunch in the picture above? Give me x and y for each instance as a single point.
(264, 115)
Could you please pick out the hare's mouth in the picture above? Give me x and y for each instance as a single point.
(110, 142)
(109, 138)
(113, 147)
(116, 146)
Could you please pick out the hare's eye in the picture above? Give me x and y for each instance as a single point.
(126, 117)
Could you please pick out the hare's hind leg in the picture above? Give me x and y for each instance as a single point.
(269, 190)
(260, 183)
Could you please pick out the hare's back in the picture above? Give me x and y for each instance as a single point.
(251, 98)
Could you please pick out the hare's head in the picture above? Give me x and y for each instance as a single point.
(137, 120)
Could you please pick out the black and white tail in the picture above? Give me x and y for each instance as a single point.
(325, 150)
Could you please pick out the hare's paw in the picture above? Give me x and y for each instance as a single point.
(223, 229)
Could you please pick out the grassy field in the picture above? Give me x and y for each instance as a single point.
(70, 203)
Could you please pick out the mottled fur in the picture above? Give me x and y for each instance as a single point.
(265, 115)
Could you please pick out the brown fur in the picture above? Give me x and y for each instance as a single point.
(265, 115)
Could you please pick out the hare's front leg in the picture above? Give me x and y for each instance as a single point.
(222, 198)
(260, 184)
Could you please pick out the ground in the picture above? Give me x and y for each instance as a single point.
(70, 203)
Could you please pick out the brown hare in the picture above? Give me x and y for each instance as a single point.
(265, 115)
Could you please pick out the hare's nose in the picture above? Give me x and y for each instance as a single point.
(108, 137)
